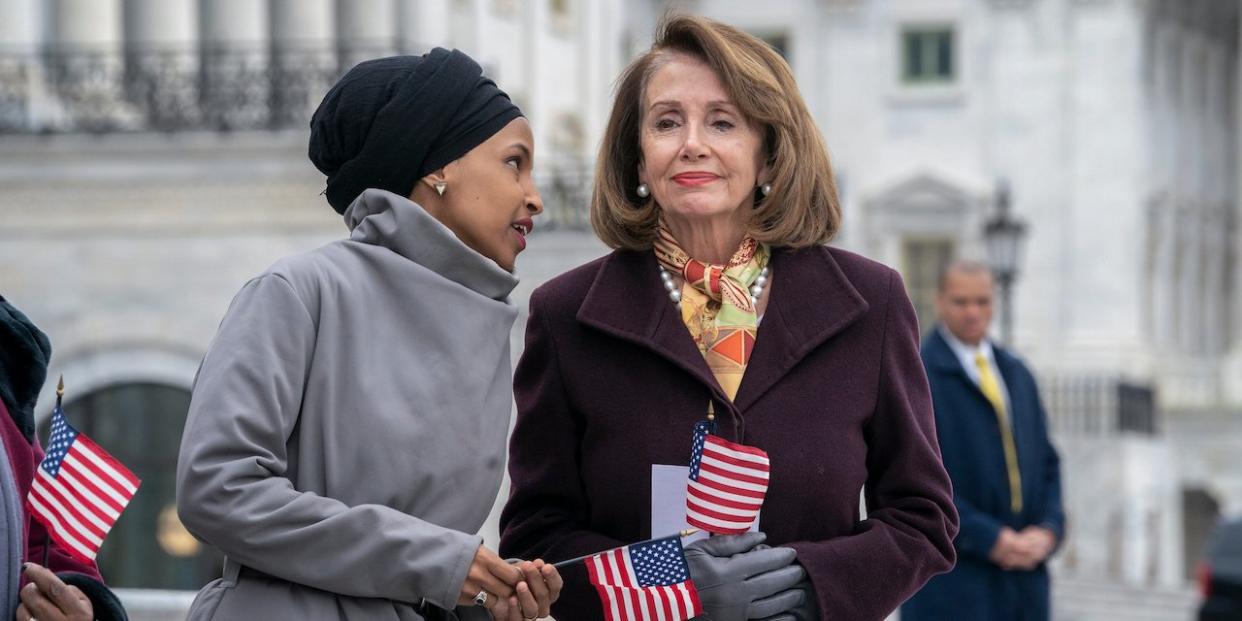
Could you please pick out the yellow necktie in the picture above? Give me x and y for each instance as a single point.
(992, 390)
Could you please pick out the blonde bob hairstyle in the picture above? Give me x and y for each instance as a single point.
(802, 209)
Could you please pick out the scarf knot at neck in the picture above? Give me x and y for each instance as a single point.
(716, 305)
(724, 283)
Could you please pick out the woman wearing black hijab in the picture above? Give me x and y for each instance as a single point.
(346, 432)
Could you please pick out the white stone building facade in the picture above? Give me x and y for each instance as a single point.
(152, 158)
(1115, 124)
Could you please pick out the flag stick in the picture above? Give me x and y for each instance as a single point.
(684, 533)
(47, 534)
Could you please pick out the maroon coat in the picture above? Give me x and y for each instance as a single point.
(24, 352)
(25, 454)
(611, 383)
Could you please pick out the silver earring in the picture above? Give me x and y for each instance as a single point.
(643, 190)
(766, 189)
(440, 188)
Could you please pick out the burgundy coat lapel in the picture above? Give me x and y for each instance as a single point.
(811, 300)
(628, 301)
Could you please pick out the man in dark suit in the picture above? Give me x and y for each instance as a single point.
(1006, 474)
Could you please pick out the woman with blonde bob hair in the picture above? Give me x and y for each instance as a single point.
(716, 192)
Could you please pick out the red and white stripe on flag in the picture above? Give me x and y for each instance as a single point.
(731, 482)
(83, 499)
(624, 598)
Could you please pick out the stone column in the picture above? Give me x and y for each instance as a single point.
(304, 63)
(1214, 248)
(301, 24)
(19, 30)
(235, 24)
(423, 24)
(93, 25)
(161, 50)
(478, 44)
(235, 63)
(85, 65)
(1204, 148)
(365, 29)
(161, 23)
(1231, 369)
(1189, 273)
(599, 41)
(535, 23)
(1236, 221)
(1164, 231)
(1189, 197)
(1223, 195)
(19, 66)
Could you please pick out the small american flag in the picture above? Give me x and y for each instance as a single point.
(646, 581)
(727, 484)
(79, 490)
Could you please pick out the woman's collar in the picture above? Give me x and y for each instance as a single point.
(385, 219)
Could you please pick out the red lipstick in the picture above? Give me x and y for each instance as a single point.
(695, 178)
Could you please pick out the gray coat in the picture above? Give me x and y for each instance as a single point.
(12, 547)
(347, 427)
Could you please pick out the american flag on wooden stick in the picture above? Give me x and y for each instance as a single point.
(79, 490)
(646, 581)
(728, 482)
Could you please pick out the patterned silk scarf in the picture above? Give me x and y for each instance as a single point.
(716, 305)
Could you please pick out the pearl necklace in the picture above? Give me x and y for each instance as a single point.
(674, 294)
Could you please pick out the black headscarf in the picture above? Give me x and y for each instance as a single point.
(390, 121)
(24, 354)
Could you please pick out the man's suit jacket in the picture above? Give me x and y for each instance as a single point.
(970, 444)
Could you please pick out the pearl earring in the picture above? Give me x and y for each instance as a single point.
(766, 189)
(440, 188)
(643, 191)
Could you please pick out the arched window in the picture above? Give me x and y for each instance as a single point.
(141, 424)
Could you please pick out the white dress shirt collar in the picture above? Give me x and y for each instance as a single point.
(966, 354)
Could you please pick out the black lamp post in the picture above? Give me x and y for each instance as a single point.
(1004, 234)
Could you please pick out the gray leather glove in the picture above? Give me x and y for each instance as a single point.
(807, 608)
(737, 582)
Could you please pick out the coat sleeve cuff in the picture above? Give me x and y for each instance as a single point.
(105, 603)
(461, 568)
(978, 538)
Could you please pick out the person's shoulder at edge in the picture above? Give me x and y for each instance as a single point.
(872, 279)
(1014, 359)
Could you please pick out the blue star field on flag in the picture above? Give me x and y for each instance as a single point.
(59, 443)
(701, 429)
(659, 563)
(645, 581)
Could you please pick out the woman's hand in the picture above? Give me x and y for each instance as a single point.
(539, 589)
(47, 598)
(495, 577)
(739, 578)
